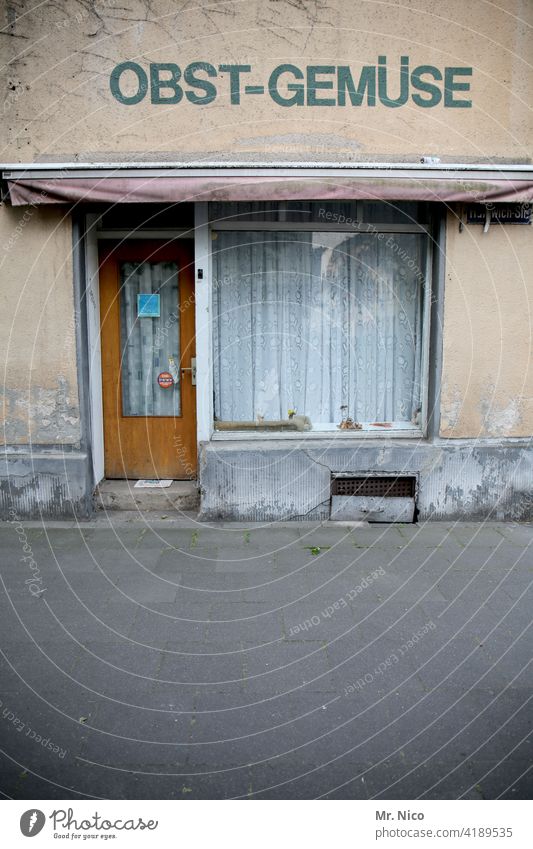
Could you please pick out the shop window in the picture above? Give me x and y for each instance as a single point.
(319, 329)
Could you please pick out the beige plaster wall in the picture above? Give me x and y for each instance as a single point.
(37, 328)
(487, 381)
(57, 60)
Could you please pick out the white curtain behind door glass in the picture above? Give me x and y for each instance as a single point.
(147, 343)
(315, 321)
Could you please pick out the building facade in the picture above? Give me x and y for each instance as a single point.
(280, 249)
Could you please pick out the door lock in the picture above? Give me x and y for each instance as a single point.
(192, 370)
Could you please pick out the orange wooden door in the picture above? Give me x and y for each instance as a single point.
(148, 350)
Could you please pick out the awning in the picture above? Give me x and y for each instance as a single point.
(124, 183)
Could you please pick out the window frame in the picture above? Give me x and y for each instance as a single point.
(364, 227)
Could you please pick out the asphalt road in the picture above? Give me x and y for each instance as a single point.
(172, 660)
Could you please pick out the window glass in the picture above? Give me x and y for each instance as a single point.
(327, 212)
(150, 335)
(290, 211)
(406, 212)
(327, 324)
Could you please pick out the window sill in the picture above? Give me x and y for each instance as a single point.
(398, 430)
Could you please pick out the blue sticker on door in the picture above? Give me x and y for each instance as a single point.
(148, 306)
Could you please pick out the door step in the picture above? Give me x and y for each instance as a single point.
(121, 495)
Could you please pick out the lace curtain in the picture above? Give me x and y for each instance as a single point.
(147, 343)
(314, 321)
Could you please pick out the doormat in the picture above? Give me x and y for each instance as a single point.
(152, 484)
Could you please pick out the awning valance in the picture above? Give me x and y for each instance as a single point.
(447, 184)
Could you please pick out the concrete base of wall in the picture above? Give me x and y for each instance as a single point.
(457, 479)
(290, 480)
(48, 484)
(121, 495)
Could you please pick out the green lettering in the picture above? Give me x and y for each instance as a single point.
(422, 85)
(156, 83)
(114, 83)
(367, 82)
(450, 86)
(313, 85)
(235, 72)
(298, 98)
(404, 82)
(208, 88)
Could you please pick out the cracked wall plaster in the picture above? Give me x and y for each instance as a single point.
(57, 59)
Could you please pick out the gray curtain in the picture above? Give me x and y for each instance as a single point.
(315, 321)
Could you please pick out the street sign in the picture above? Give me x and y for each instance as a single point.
(501, 213)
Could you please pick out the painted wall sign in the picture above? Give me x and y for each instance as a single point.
(165, 380)
(392, 85)
(148, 305)
(502, 213)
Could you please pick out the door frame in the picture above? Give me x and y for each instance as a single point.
(202, 276)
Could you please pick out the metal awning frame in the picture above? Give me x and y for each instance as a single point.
(370, 170)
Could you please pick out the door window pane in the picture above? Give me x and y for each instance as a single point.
(148, 341)
(318, 321)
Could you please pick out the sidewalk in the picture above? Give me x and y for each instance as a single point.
(187, 661)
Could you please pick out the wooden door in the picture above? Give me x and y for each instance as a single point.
(148, 351)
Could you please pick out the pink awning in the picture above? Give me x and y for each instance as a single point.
(470, 188)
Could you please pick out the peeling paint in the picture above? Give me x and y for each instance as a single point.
(451, 407)
(41, 415)
(288, 481)
(501, 422)
(53, 485)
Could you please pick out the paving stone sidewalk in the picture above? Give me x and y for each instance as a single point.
(170, 660)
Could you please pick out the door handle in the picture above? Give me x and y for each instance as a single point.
(192, 370)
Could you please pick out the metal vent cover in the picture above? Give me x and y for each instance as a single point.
(377, 486)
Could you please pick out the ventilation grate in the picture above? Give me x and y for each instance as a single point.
(376, 486)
